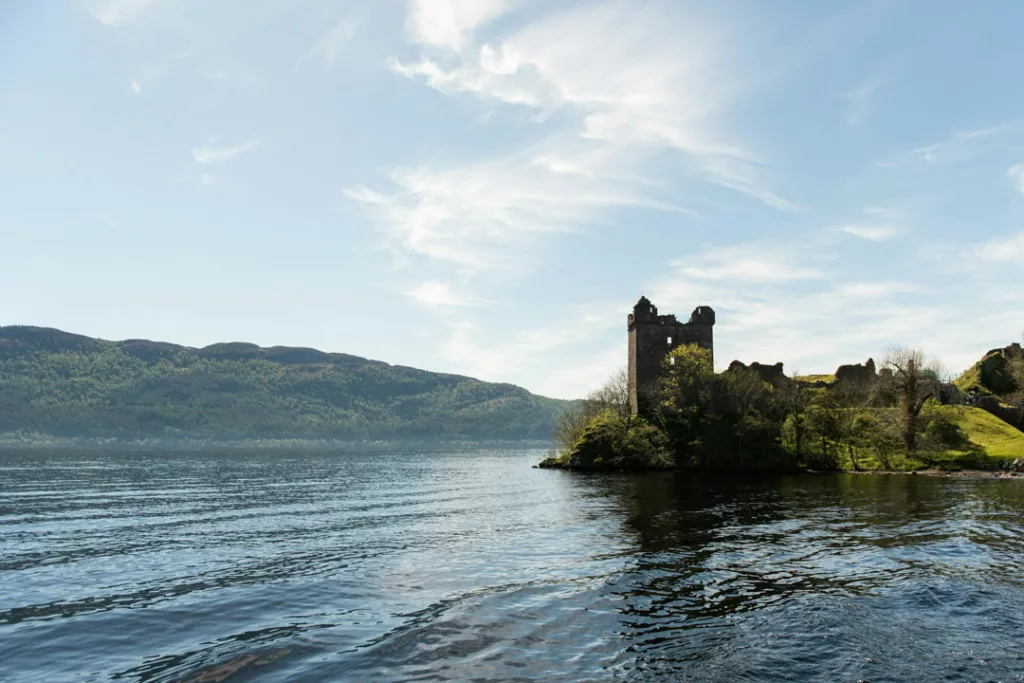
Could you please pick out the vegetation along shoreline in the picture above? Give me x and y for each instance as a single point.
(669, 409)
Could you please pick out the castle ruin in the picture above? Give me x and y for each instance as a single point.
(652, 336)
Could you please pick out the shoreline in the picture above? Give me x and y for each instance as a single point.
(949, 474)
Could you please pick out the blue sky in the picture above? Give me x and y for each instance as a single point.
(486, 187)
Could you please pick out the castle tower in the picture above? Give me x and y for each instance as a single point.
(652, 336)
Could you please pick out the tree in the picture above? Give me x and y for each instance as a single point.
(823, 421)
(851, 397)
(612, 397)
(912, 381)
(791, 399)
(683, 396)
(742, 392)
(569, 427)
(688, 378)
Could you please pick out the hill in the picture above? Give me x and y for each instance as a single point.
(995, 373)
(996, 384)
(986, 432)
(59, 384)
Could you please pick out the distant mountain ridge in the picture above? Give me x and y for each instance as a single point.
(56, 383)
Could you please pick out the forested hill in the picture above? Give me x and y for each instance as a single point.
(53, 383)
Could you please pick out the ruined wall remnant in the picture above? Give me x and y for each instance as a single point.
(652, 336)
(773, 374)
(857, 373)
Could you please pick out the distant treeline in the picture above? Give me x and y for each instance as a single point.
(57, 384)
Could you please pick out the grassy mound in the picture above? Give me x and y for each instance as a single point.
(996, 437)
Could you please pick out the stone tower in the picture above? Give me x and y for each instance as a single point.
(652, 336)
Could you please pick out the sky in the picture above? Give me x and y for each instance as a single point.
(486, 187)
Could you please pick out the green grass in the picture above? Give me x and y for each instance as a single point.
(991, 440)
(971, 379)
(999, 439)
(811, 379)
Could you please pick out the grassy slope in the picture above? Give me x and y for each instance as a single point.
(999, 439)
(991, 440)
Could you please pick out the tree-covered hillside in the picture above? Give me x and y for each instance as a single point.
(59, 384)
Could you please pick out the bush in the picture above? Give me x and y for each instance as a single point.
(611, 441)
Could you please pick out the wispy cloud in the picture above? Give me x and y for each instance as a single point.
(210, 154)
(488, 215)
(873, 232)
(859, 101)
(881, 224)
(959, 146)
(476, 351)
(450, 23)
(747, 263)
(628, 89)
(1016, 172)
(208, 179)
(136, 86)
(628, 78)
(1004, 250)
(116, 12)
(434, 294)
(330, 47)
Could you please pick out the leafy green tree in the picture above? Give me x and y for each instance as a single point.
(684, 397)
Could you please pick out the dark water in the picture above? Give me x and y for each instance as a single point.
(287, 566)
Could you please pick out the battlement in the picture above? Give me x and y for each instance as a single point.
(653, 336)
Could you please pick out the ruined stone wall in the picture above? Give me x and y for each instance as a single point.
(773, 374)
(653, 336)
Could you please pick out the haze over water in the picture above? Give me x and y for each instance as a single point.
(470, 565)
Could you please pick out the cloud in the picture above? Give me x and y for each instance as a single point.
(1016, 172)
(959, 146)
(859, 101)
(209, 154)
(116, 12)
(746, 263)
(882, 223)
(136, 86)
(480, 353)
(433, 294)
(489, 215)
(449, 23)
(632, 91)
(863, 290)
(627, 78)
(208, 179)
(329, 48)
(1004, 250)
(873, 232)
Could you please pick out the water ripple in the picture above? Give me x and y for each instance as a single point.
(470, 565)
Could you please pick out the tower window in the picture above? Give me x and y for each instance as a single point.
(669, 341)
(672, 360)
